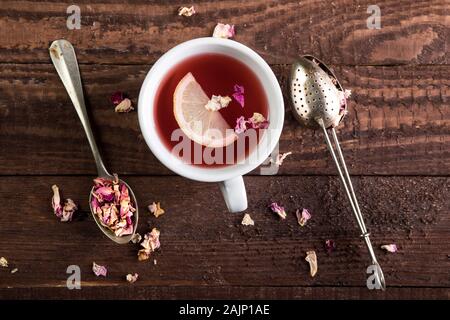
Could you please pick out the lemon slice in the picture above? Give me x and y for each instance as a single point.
(206, 127)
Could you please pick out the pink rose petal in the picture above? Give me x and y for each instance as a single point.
(99, 270)
(117, 97)
(390, 247)
(279, 210)
(238, 94)
(303, 216)
(330, 245)
(241, 125)
(224, 31)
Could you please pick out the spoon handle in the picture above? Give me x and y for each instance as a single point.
(65, 61)
(348, 186)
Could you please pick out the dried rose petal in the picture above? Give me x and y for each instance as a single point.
(68, 210)
(347, 93)
(330, 245)
(257, 121)
(311, 258)
(280, 158)
(247, 220)
(3, 262)
(224, 31)
(56, 201)
(124, 106)
(187, 12)
(124, 231)
(14, 270)
(136, 238)
(143, 255)
(155, 262)
(99, 270)
(217, 102)
(279, 210)
(241, 125)
(149, 244)
(102, 182)
(303, 216)
(132, 278)
(156, 209)
(117, 97)
(238, 94)
(390, 247)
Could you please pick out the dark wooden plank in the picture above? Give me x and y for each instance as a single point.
(140, 31)
(399, 123)
(203, 245)
(137, 291)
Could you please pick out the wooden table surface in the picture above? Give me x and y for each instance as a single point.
(396, 139)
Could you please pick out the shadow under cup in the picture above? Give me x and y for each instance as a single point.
(211, 56)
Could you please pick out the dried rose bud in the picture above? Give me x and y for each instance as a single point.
(279, 210)
(238, 94)
(330, 245)
(187, 12)
(303, 216)
(217, 102)
(224, 31)
(132, 278)
(390, 247)
(99, 270)
(117, 97)
(247, 220)
(311, 258)
(156, 209)
(3, 262)
(124, 106)
(241, 125)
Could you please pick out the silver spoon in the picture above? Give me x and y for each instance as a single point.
(65, 61)
(316, 96)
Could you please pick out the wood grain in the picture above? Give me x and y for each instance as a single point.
(137, 291)
(203, 245)
(141, 31)
(399, 123)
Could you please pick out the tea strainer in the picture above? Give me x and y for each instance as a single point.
(318, 102)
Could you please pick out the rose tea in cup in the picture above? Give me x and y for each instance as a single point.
(210, 110)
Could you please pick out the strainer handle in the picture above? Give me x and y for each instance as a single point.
(348, 186)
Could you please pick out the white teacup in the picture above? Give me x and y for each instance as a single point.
(230, 176)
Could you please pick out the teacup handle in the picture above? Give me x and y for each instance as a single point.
(234, 193)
